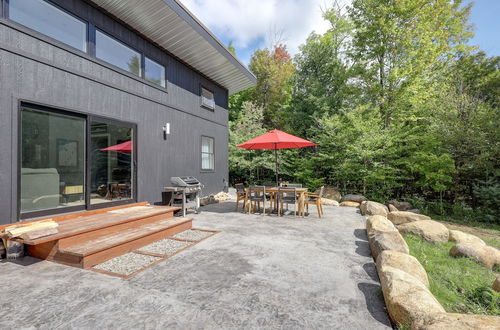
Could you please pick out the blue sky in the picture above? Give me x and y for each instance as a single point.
(486, 19)
(253, 24)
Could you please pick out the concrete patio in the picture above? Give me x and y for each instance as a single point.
(259, 272)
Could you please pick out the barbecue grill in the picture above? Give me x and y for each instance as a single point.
(185, 193)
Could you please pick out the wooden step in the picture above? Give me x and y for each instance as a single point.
(94, 251)
(90, 223)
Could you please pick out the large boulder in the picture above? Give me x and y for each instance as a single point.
(464, 238)
(401, 206)
(496, 284)
(373, 208)
(400, 217)
(331, 193)
(329, 202)
(350, 204)
(407, 299)
(429, 230)
(446, 321)
(483, 254)
(378, 223)
(353, 198)
(392, 208)
(380, 241)
(404, 262)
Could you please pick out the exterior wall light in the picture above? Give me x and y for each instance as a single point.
(166, 130)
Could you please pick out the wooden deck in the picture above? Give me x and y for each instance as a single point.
(88, 238)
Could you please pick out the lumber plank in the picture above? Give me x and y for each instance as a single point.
(18, 231)
(38, 233)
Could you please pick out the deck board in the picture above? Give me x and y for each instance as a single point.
(114, 239)
(86, 223)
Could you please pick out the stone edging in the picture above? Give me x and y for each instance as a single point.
(405, 284)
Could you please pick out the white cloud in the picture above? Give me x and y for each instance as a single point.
(247, 22)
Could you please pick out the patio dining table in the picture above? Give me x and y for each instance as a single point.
(301, 198)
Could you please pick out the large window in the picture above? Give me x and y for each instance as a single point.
(49, 20)
(65, 168)
(46, 18)
(154, 72)
(116, 53)
(52, 160)
(207, 154)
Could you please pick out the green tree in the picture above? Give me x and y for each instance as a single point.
(402, 46)
(479, 76)
(274, 70)
(231, 48)
(466, 119)
(248, 165)
(323, 70)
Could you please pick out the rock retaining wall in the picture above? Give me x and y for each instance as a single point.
(405, 283)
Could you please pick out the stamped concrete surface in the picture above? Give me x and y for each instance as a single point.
(259, 272)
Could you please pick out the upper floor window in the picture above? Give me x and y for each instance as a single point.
(116, 53)
(154, 72)
(207, 98)
(207, 154)
(45, 18)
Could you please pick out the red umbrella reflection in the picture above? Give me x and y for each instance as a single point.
(125, 147)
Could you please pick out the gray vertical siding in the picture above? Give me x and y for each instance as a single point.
(37, 69)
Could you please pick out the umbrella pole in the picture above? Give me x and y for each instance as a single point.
(276, 159)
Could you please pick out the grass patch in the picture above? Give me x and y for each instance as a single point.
(491, 227)
(490, 237)
(459, 284)
(491, 241)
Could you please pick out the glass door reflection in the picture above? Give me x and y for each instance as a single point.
(52, 173)
(111, 162)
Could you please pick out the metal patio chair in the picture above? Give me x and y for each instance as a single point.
(256, 195)
(287, 195)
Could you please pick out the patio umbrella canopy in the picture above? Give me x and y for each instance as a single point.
(275, 140)
(125, 147)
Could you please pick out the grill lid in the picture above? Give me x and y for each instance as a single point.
(184, 181)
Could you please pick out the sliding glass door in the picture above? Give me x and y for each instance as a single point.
(73, 162)
(112, 162)
(52, 171)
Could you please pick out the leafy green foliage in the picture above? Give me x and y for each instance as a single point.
(274, 70)
(321, 81)
(248, 166)
(398, 103)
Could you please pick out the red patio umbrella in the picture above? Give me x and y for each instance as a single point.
(275, 140)
(125, 147)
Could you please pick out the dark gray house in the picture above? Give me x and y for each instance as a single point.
(102, 101)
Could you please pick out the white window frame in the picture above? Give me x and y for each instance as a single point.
(206, 102)
(210, 154)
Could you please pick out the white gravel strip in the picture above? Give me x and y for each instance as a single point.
(127, 264)
(194, 235)
(165, 246)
